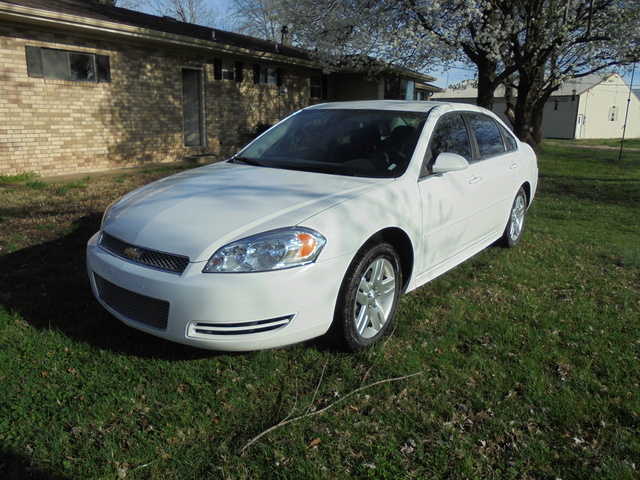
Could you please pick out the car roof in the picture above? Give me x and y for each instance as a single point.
(396, 105)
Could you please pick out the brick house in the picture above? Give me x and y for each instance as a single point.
(87, 86)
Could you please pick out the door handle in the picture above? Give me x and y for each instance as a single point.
(475, 180)
(513, 166)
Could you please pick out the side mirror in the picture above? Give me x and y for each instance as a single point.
(449, 162)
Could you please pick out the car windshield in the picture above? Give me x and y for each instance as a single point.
(362, 143)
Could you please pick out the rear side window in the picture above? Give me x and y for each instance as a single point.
(487, 135)
(509, 141)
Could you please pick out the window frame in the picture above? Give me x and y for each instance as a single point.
(470, 129)
(228, 70)
(427, 163)
(318, 87)
(261, 75)
(40, 62)
(195, 97)
(425, 169)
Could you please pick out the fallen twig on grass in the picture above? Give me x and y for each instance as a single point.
(287, 420)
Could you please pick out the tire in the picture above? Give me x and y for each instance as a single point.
(368, 298)
(515, 226)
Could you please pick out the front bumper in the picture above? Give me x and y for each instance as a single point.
(226, 311)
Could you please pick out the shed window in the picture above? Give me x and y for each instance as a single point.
(67, 65)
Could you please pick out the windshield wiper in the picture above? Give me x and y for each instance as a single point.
(248, 161)
(333, 169)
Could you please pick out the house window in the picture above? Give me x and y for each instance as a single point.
(227, 70)
(399, 89)
(316, 86)
(267, 75)
(613, 114)
(556, 104)
(67, 65)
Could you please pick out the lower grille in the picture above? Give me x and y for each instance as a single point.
(244, 328)
(134, 306)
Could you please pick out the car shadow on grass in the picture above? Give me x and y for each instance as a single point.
(47, 286)
(17, 467)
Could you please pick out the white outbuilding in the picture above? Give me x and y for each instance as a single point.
(595, 106)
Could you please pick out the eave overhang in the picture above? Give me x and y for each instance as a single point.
(124, 33)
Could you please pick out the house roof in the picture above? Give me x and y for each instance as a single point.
(97, 10)
(102, 11)
(469, 88)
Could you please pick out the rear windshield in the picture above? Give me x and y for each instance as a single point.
(343, 142)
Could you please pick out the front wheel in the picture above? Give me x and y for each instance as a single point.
(368, 297)
(515, 226)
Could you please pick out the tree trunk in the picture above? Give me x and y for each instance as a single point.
(510, 100)
(522, 116)
(528, 112)
(486, 83)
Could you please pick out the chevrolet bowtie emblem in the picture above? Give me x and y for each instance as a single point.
(132, 253)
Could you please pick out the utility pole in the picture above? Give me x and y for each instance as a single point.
(626, 115)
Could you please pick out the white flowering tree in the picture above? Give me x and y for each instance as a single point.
(538, 42)
(558, 40)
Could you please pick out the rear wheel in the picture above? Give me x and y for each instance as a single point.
(368, 297)
(515, 227)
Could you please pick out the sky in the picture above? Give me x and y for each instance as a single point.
(452, 76)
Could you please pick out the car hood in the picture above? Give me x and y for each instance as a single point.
(196, 212)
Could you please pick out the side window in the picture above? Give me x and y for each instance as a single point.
(66, 65)
(266, 75)
(227, 70)
(509, 141)
(487, 135)
(450, 135)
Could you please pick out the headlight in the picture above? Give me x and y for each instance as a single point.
(275, 250)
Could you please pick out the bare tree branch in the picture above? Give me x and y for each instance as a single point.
(322, 410)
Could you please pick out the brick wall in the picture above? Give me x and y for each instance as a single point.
(53, 127)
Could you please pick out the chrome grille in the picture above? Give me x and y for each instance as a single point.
(134, 306)
(136, 254)
(243, 328)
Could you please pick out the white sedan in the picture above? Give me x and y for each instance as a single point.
(316, 227)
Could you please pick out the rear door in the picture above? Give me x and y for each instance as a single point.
(501, 167)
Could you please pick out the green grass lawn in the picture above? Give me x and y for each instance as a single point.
(520, 363)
